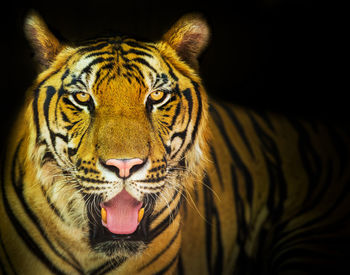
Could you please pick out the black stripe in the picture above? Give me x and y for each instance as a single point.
(219, 259)
(91, 180)
(94, 62)
(35, 104)
(138, 52)
(243, 261)
(313, 168)
(153, 180)
(50, 91)
(136, 44)
(133, 66)
(208, 205)
(239, 128)
(69, 127)
(100, 54)
(341, 147)
(242, 227)
(70, 103)
(64, 117)
(65, 74)
(107, 267)
(216, 166)
(180, 266)
(144, 62)
(73, 151)
(264, 116)
(342, 221)
(36, 95)
(52, 206)
(35, 112)
(166, 147)
(2, 267)
(310, 159)
(182, 136)
(165, 223)
(168, 266)
(211, 215)
(176, 114)
(161, 253)
(92, 48)
(170, 70)
(8, 260)
(199, 114)
(98, 81)
(160, 81)
(155, 216)
(63, 137)
(188, 96)
(233, 152)
(21, 231)
(277, 182)
(240, 211)
(17, 183)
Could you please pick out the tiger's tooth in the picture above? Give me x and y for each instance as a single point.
(140, 216)
(104, 215)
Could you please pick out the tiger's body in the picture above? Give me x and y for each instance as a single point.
(224, 190)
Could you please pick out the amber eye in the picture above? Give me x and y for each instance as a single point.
(82, 98)
(157, 96)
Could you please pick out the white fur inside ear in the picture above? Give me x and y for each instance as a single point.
(189, 36)
(196, 37)
(46, 46)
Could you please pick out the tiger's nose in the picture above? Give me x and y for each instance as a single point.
(125, 166)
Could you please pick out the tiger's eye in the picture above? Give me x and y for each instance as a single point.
(82, 97)
(157, 95)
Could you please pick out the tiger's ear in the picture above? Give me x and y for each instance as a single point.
(46, 46)
(188, 37)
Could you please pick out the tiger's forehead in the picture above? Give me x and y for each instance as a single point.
(114, 61)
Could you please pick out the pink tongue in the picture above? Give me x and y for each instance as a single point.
(122, 213)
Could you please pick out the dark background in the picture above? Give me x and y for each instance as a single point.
(270, 54)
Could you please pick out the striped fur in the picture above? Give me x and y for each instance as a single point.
(226, 190)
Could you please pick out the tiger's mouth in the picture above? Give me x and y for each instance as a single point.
(122, 214)
(121, 219)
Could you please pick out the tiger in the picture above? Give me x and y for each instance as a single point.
(120, 162)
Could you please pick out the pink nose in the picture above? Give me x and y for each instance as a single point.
(124, 165)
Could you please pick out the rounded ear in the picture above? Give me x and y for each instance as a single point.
(188, 37)
(46, 46)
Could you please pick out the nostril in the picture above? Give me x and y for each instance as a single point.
(125, 166)
(111, 168)
(136, 167)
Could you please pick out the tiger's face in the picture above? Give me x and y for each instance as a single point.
(124, 123)
(119, 118)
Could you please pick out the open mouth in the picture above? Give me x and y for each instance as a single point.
(123, 218)
(122, 214)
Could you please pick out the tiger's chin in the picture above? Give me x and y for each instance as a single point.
(120, 249)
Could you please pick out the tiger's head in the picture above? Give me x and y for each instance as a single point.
(119, 130)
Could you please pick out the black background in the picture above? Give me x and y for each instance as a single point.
(270, 54)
